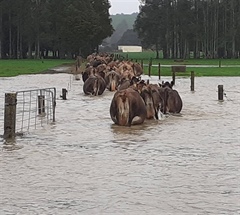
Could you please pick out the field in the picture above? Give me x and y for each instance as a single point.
(201, 67)
(10, 68)
(198, 71)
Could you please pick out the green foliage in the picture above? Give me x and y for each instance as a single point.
(65, 27)
(130, 38)
(121, 23)
(180, 26)
(129, 18)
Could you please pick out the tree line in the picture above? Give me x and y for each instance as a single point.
(206, 28)
(66, 28)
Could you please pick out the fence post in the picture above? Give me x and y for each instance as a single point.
(142, 64)
(78, 63)
(192, 81)
(159, 71)
(220, 92)
(64, 94)
(41, 105)
(10, 115)
(150, 67)
(173, 77)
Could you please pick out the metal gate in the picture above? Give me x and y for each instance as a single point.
(28, 109)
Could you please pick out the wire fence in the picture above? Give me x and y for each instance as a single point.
(35, 108)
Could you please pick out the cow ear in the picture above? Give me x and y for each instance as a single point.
(159, 85)
(172, 83)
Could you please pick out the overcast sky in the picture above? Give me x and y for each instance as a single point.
(123, 6)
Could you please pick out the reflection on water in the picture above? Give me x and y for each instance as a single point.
(84, 164)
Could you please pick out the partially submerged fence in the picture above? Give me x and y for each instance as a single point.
(28, 109)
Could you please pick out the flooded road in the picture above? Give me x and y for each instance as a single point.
(83, 164)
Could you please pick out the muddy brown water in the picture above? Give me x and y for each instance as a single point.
(83, 164)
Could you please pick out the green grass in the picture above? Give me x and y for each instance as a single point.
(10, 68)
(220, 70)
(147, 55)
(216, 62)
(208, 71)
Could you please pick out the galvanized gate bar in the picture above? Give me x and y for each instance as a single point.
(33, 108)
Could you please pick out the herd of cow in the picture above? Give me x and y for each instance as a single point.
(134, 100)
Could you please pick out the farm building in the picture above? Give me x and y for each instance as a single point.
(130, 48)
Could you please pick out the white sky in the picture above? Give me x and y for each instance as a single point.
(123, 6)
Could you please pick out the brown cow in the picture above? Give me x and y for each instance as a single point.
(171, 100)
(128, 108)
(94, 85)
(151, 97)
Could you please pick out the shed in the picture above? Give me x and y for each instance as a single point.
(130, 48)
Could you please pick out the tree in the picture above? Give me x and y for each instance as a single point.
(65, 27)
(129, 37)
(182, 26)
(148, 25)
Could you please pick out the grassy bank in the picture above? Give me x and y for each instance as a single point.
(147, 55)
(203, 71)
(222, 67)
(10, 68)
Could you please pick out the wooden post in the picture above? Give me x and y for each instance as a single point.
(220, 92)
(173, 77)
(10, 115)
(192, 81)
(64, 94)
(142, 64)
(79, 59)
(159, 71)
(150, 67)
(41, 105)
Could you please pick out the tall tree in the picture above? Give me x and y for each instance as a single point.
(148, 24)
(1, 28)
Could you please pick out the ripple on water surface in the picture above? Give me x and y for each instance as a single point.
(84, 164)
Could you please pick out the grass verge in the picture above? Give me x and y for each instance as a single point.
(9, 68)
(203, 71)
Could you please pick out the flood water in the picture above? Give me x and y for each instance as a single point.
(83, 164)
